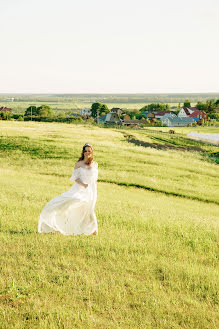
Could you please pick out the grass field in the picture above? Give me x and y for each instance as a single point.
(154, 263)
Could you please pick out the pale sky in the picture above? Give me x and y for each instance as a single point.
(109, 46)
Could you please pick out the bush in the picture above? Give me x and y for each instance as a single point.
(20, 118)
(5, 115)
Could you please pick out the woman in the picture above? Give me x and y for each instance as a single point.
(72, 213)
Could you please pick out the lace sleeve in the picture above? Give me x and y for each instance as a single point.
(75, 175)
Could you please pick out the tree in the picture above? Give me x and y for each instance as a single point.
(104, 109)
(5, 115)
(97, 109)
(209, 107)
(155, 107)
(187, 103)
(201, 106)
(31, 109)
(45, 111)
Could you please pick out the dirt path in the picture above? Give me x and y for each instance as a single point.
(159, 146)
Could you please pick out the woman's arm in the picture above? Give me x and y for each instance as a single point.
(77, 165)
(81, 183)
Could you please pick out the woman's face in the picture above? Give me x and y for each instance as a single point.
(88, 151)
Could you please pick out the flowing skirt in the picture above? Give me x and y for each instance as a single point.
(71, 213)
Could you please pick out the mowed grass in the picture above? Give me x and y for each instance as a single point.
(57, 146)
(154, 263)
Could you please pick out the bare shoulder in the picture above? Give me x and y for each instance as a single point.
(78, 164)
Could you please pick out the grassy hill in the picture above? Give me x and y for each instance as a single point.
(154, 263)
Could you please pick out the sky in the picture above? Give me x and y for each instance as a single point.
(109, 46)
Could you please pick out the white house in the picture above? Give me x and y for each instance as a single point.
(86, 112)
(168, 115)
(186, 111)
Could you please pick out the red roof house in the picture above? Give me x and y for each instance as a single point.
(5, 109)
(198, 115)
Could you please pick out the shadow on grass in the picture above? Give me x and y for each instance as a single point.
(35, 148)
(152, 189)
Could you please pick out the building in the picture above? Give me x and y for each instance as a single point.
(117, 110)
(167, 115)
(133, 123)
(148, 115)
(186, 111)
(126, 117)
(86, 112)
(198, 115)
(109, 118)
(5, 109)
(160, 114)
(178, 122)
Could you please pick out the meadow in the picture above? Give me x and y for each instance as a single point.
(154, 263)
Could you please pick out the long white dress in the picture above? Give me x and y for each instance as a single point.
(72, 212)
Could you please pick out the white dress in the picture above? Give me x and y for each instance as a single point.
(72, 212)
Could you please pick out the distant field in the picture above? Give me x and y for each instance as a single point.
(20, 107)
(75, 102)
(154, 263)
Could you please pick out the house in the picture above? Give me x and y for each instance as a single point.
(177, 122)
(102, 119)
(86, 112)
(186, 111)
(198, 115)
(132, 123)
(117, 110)
(160, 114)
(168, 115)
(109, 118)
(5, 109)
(126, 117)
(148, 115)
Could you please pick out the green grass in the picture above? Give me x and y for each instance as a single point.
(154, 263)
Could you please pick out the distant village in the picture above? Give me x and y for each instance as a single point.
(186, 117)
(180, 117)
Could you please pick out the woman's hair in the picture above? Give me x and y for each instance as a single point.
(82, 153)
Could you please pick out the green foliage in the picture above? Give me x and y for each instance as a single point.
(32, 110)
(20, 118)
(155, 107)
(5, 115)
(45, 111)
(209, 107)
(187, 103)
(41, 111)
(98, 109)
